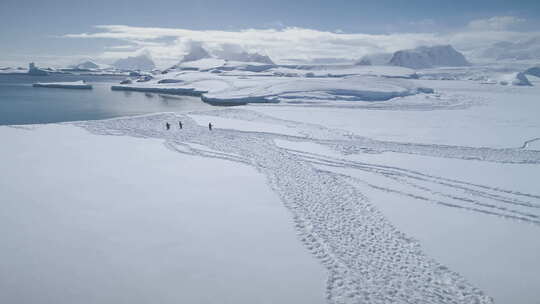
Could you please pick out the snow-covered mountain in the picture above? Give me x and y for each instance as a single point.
(534, 71)
(234, 52)
(244, 57)
(196, 52)
(375, 59)
(521, 50)
(427, 57)
(198, 58)
(86, 65)
(142, 62)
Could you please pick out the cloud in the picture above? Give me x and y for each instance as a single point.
(497, 23)
(280, 44)
(168, 45)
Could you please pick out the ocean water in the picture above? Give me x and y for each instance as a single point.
(20, 103)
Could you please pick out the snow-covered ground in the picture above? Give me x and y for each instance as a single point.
(125, 220)
(466, 113)
(402, 190)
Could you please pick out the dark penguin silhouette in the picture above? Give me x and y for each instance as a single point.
(210, 126)
(180, 124)
(167, 125)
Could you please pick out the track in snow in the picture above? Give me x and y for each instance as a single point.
(368, 259)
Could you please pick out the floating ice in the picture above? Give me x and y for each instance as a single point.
(228, 89)
(64, 85)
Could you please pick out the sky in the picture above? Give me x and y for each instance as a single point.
(59, 32)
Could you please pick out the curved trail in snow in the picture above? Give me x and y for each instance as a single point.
(472, 197)
(368, 259)
(349, 143)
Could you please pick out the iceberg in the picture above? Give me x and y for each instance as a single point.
(216, 89)
(516, 79)
(64, 85)
(35, 71)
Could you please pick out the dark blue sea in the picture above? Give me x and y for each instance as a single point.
(20, 103)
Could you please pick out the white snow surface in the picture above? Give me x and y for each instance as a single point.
(466, 113)
(473, 245)
(128, 220)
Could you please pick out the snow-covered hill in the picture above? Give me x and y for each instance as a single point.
(427, 57)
